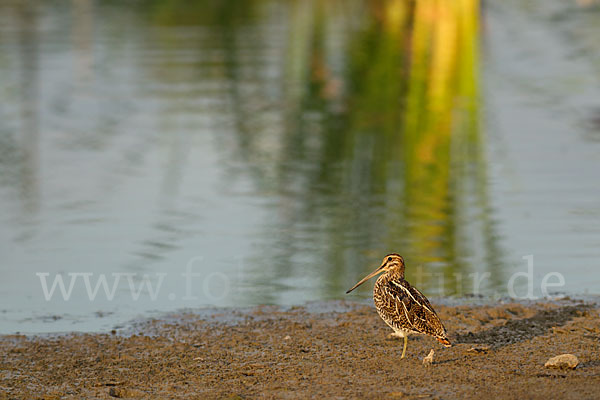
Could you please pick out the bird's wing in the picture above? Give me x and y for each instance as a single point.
(414, 309)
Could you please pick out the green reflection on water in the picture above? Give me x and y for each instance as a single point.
(357, 123)
(368, 137)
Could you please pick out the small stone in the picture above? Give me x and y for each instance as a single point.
(428, 360)
(563, 361)
(288, 337)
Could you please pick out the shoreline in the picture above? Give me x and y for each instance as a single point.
(107, 321)
(326, 349)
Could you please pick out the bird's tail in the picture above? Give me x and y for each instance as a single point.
(444, 341)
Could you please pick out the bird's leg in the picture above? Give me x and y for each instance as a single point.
(404, 350)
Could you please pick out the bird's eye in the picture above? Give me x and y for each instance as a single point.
(389, 258)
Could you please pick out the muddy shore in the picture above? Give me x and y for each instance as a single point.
(342, 351)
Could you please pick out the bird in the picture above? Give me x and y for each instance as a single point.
(406, 310)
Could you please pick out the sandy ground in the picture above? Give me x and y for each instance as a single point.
(336, 350)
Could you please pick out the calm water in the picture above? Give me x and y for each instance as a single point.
(279, 149)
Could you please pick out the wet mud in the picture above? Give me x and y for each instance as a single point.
(337, 351)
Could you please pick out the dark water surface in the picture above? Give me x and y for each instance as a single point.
(279, 149)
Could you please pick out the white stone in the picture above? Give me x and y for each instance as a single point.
(428, 360)
(562, 361)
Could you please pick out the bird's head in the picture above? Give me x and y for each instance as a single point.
(392, 264)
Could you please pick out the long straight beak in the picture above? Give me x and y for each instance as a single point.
(366, 278)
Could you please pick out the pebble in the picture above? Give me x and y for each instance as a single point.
(566, 361)
(478, 349)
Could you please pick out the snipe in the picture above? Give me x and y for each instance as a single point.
(401, 306)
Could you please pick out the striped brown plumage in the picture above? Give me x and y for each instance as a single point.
(401, 306)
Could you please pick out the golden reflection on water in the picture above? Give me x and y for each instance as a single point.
(396, 153)
(411, 122)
